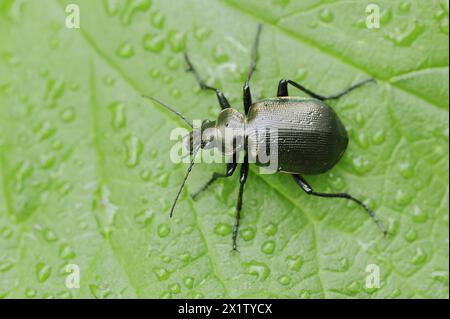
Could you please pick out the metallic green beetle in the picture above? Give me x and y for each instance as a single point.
(310, 138)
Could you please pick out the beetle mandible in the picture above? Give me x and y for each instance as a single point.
(303, 148)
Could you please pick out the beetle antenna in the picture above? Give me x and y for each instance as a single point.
(188, 121)
(183, 183)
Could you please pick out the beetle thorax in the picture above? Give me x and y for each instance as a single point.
(230, 126)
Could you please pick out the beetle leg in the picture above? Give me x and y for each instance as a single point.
(283, 90)
(231, 167)
(242, 180)
(251, 69)
(220, 96)
(308, 190)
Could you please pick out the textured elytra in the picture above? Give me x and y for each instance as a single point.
(84, 161)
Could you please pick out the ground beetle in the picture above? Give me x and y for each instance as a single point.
(304, 147)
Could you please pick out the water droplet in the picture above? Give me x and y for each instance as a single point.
(161, 273)
(100, 291)
(155, 73)
(66, 251)
(30, 292)
(396, 293)
(222, 229)
(134, 151)
(258, 269)
(49, 235)
(144, 217)
(201, 33)
(294, 263)
(175, 93)
(177, 41)
(23, 172)
(419, 258)
(361, 165)
(43, 271)
(411, 235)
(173, 63)
(146, 175)
(402, 197)
(362, 140)
(326, 15)
(108, 80)
(188, 282)
(44, 131)
(118, 115)
(104, 209)
(163, 180)
(67, 115)
(111, 7)
(353, 288)
(440, 276)
(175, 288)
(64, 295)
(270, 229)
(405, 6)
(163, 230)
(153, 43)
(220, 55)
(131, 8)
(157, 19)
(305, 294)
(284, 280)
(125, 50)
(406, 170)
(6, 264)
(418, 215)
(405, 37)
(47, 161)
(268, 247)
(248, 234)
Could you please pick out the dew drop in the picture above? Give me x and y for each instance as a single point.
(125, 50)
(305, 294)
(44, 131)
(144, 217)
(284, 280)
(270, 229)
(406, 36)
(294, 262)
(157, 19)
(248, 234)
(153, 43)
(201, 34)
(353, 288)
(411, 235)
(219, 55)
(163, 180)
(118, 115)
(406, 170)
(402, 197)
(361, 165)
(177, 41)
(378, 137)
(43, 271)
(132, 7)
(175, 93)
(100, 291)
(49, 235)
(134, 149)
(163, 230)
(419, 258)
(30, 292)
(268, 247)
(108, 80)
(47, 161)
(222, 229)
(301, 74)
(418, 215)
(67, 115)
(66, 251)
(111, 7)
(161, 273)
(6, 264)
(175, 288)
(23, 172)
(188, 282)
(146, 175)
(326, 15)
(258, 269)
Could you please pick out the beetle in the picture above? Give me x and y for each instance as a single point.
(310, 139)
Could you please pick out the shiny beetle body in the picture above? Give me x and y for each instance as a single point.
(309, 136)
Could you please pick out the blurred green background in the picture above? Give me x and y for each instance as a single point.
(86, 179)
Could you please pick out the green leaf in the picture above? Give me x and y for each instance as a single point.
(86, 178)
